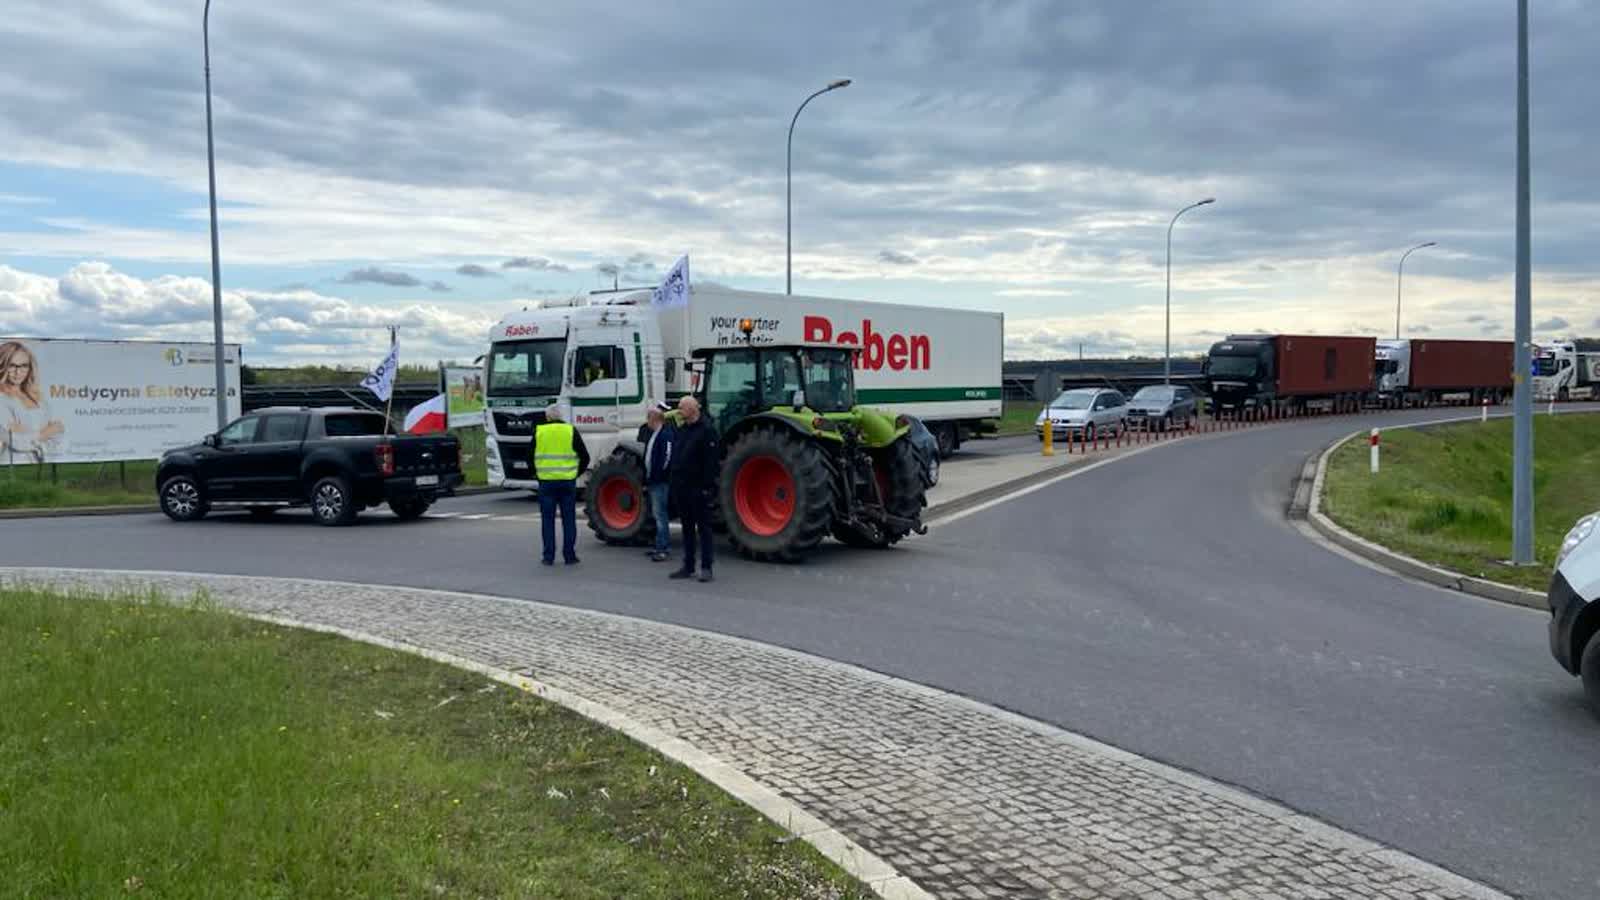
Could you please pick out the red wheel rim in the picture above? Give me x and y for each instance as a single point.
(619, 502)
(763, 495)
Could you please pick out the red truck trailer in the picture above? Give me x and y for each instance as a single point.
(1289, 370)
(1418, 372)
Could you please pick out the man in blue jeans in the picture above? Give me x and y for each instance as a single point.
(657, 439)
(559, 457)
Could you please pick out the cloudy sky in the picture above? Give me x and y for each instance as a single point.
(435, 164)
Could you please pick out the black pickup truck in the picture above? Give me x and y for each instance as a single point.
(337, 461)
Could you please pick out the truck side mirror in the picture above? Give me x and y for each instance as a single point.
(798, 401)
(671, 372)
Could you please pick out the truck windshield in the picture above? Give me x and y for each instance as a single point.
(1545, 365)
(524, 368)
(830, 385)
(1233, 366)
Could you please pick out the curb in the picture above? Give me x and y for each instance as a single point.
(57, 512)
(881, 877)
(1396, 563)
(885, 880)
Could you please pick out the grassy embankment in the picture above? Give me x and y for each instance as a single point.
(1443, 494)
(178, 751)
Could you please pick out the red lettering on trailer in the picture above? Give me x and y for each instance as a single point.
(521, 330)
(898, 351)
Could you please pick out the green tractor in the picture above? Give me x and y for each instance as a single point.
(800, 460)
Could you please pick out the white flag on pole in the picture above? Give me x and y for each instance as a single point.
(674, 289)
(380, 381)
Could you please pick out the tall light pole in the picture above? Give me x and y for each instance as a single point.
(1522, 398)
(1398, 279)
(1166, 370)
(788, 189)
(216, 261)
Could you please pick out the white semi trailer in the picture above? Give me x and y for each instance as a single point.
(606, 359)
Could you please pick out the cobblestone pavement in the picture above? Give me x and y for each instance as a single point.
(965, 800)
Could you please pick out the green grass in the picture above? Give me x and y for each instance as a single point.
(1444, 494)
(1018, 418)
(180, 752)
(76, 484)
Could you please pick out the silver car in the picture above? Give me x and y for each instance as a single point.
(1085, 412)
(1162, 407)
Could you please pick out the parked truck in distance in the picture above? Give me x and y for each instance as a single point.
(1420, 372)
(1560, 372)
(1288, 373)
(336, 461)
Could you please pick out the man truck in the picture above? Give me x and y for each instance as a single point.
(1284, 372)
(1560, 372)
(1422, 372)
(821, 384)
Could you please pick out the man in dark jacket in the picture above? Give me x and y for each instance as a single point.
(657, 436)
(692, 476)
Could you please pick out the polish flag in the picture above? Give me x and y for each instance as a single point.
(427, 417)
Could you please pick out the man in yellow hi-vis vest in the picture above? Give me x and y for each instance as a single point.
(559, 457)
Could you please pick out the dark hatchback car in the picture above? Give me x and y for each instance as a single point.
(1162, 407)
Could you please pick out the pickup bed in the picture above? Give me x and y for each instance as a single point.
(336, 461)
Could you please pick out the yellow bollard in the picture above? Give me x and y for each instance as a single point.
(1049, 446)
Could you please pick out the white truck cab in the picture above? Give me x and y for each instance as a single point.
(599, 359)
(1393, 368)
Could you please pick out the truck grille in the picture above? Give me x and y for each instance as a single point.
(514, 458)
(517, 425)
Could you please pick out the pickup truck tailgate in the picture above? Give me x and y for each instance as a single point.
(426, 455)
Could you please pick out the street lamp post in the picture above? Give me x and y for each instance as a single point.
(1166, 370)
(1399, 278)
(788, 189)
(1522, 396)
(216, 262)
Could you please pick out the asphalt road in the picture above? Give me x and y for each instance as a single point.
(1160, 603)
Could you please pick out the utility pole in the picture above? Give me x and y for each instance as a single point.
(1522, 428)
(216, 260)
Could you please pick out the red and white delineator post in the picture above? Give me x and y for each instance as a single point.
(1372, 440)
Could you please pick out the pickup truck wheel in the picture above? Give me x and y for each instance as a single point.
(331, 503)
(410, 508)
(182, 500)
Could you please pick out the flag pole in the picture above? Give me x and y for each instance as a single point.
(388, 408)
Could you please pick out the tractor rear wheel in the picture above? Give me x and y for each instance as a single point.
(776, 495)
(898, 471)
(617, 504)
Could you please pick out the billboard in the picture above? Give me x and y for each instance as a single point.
(101, 401)
(463, 389)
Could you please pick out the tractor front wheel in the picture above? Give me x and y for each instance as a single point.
(776, 495)
(616, 502)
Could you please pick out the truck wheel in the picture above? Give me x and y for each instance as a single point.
(410, 508)
(945, 434)
(616, 505)
(331, 503)
(776, 495)
(182, 500)
(1563, 395)
(1589, 668)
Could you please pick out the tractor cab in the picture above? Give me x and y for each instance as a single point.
(803, 382)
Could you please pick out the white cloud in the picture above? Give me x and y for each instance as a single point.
(95, 300)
